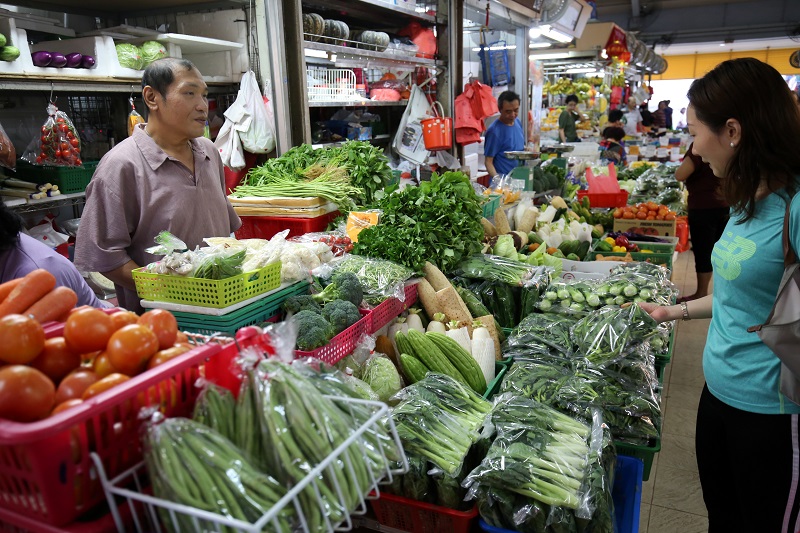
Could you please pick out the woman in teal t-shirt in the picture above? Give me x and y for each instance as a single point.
(747, 440)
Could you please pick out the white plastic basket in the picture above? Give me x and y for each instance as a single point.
(145, 510)
(331, 85)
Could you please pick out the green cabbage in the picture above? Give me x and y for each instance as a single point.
(152, 50)
(504, 247)
(129, 56)
(382, 377)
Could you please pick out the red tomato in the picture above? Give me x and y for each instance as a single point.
(163, 356)
(74, 384)
(63, 406)
(26, 394)
(56, 360)
(102, 366)
(88, 330)
(123, 318)
(182, 338)
(163, 324)
(103, 385)
(130, 348)
(21, 339)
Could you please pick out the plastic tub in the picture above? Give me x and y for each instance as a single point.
(645, 453)
(412, 516)
(254, 227)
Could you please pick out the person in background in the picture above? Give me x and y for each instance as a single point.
(615, 118)
(567, 130)
(632, 118)
(647, 118)
(21, 254)
(504, 135)
(708, 216)
(668, 114)
(611, 146)
(747, 431)
(796, 98)
(165, 177)
(659, 116)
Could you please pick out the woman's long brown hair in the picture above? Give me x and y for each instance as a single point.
(756, 95)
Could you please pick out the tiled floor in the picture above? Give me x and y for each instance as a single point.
(671, 498)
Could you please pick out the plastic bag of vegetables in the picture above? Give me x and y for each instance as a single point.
(8, 155)
(609, 333)
(577, 297)
(548, 330)
(555, 463)
(380, 279)
(57, 144)
(193, 465)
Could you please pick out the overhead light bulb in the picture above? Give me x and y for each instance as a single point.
(540, 45)
(552, 33)
(535, 32)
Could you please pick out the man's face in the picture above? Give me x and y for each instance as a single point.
(185, 106)
(631, 103)
(509, 112)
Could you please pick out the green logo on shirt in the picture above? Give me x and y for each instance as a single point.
(729, 253)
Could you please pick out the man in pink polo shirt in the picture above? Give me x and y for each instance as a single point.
(166, 176)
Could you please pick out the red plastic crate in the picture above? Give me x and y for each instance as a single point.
(267, 227)
(391, 308)
(45, 470)
(604, 199)
(418, 517)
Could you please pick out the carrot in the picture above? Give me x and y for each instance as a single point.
(54, 305)
(32, 287)
(7, 287)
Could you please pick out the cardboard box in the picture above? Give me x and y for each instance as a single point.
(646, 227)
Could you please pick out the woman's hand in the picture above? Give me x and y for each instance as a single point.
(660, 313)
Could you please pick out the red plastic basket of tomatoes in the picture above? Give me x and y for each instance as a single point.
(45, 470)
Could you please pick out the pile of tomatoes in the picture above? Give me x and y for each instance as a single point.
(60, 144)
(645, 211)
(41, 377)
(340, 245)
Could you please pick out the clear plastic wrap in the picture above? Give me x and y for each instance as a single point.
(134, 118)
(193, 465)
(610, 332)
(57, 144)
(219, 262)
(659, 273)
(439, 418)
(510, 272)
(570, 297)
(8, 155)
(544, 329)
(636, 285)
(380, 279)
(177, 260)
(552, 461)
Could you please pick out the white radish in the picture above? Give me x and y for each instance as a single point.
(414, 321)
(437, 324)
(483, 350)
(460, 335)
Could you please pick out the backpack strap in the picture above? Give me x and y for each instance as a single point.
(789, 257)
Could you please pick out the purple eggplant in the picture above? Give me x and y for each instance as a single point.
(42, 59)
(59, 60)
(74, 60)
(87, 61)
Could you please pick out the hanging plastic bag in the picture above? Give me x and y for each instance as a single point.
(8, 155)
(57, 144)
(258, 137)
(134, 118)
(230, 146)
(408, 142)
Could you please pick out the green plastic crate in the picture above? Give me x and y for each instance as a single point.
(206, 292)
(663, 259)
(665, 359)
(500, 370)
(69, 179)
(645, 453)
(492, 205)
(252, 314)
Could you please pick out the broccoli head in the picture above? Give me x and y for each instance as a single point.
(313, 330)
(344, 286)
(295, 304)
(341, 314)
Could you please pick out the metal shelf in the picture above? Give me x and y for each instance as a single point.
(367, 103)
(93, 7)
(375, 140)
(88, 85)
(347, 55)
(62, 200)
(361, 8)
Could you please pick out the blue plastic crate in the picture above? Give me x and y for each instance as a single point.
(627, 496)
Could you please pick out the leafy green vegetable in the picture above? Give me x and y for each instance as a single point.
(151, 51)
(129, 56)
(382, 376)
(367, 166)
(438, 221)
(379, 278)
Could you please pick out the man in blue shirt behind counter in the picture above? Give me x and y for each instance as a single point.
(504, 135)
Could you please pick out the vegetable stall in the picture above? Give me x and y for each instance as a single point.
(447, 363)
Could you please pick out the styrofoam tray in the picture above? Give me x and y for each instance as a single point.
(185, 308)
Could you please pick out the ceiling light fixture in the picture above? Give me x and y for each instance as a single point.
(545, 57)
(535, 32)
(556, 35)
(509, 47)
(540, 45)
(315, 53)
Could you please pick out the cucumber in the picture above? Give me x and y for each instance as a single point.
(413, 369)
(431, 356)
(460, 359)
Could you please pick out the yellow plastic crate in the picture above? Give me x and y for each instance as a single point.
(206, 292)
